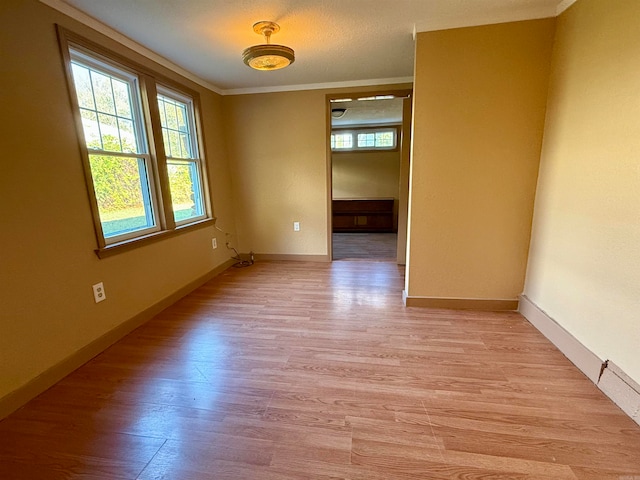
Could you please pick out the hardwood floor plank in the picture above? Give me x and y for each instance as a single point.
(506, 465)
(311, 371)
(202, 458)
(67, 453)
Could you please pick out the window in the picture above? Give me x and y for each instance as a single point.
(144, 167)
(364, 139)
(117, 147)
(376, 140)
(341, 141)
(181, 149)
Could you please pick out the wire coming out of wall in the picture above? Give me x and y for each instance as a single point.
(240, 262)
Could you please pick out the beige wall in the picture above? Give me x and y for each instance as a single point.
(278, 153)
(47, 239)
(277, 146)
(479, 106)
(366, 174)
(584, 265)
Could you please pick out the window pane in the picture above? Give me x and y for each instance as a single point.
(106, 107)
(91, 129)
(174, 144)
(122, 192)
(366, 140)
(186, 197)
(176, 129)
(384, 139)
(102, 91)
(82, 81)
(122, 99)
(343, 140)
(109, 132)
(127, 135)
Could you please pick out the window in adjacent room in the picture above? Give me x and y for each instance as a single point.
(364, 139)
(342, 141)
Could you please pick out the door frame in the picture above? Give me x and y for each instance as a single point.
(405, 159)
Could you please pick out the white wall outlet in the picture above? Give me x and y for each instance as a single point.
(214, 243)
(98, 292)
(296, 226)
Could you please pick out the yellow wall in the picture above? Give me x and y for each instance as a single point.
(47, 240)
(277, 148)
(366, 174)
(278, 152)
(479, 106)
(584, 265)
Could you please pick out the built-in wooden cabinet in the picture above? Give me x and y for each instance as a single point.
(363, 215)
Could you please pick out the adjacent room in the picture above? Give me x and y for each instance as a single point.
(307, 240)
(367, 145)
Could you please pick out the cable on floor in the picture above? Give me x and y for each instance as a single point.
(240, 262)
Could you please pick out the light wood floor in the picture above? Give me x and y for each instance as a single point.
(369, 246)
(296, 371)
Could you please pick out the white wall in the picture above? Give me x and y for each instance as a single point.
(584, 263)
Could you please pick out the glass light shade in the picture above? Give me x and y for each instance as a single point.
(268, 57)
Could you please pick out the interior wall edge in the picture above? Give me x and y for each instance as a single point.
(34, 387)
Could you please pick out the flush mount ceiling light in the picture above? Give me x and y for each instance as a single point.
(338, 112)
(268, 56)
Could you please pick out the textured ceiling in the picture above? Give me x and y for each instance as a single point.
(368, 112)
(336, 41)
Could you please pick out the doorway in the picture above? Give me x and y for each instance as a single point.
(368, 171)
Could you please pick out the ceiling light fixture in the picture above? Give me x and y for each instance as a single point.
(268, 56)
(338, 112)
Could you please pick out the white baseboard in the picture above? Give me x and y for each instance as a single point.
(583, 358)
(621, 389)
(609, 378)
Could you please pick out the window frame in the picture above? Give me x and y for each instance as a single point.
(354, 131)
(196, 158)
(83, 58)
(149, 81)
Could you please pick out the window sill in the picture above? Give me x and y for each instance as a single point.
(117, 248)
(365, 150)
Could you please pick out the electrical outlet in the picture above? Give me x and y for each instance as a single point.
(296, 226)
(214, 243)
(98, 292)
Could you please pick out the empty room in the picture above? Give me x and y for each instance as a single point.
(320, 240)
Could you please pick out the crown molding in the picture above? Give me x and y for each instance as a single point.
(563, 5)
(97, 25)
(89, 21)
(318, 86)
